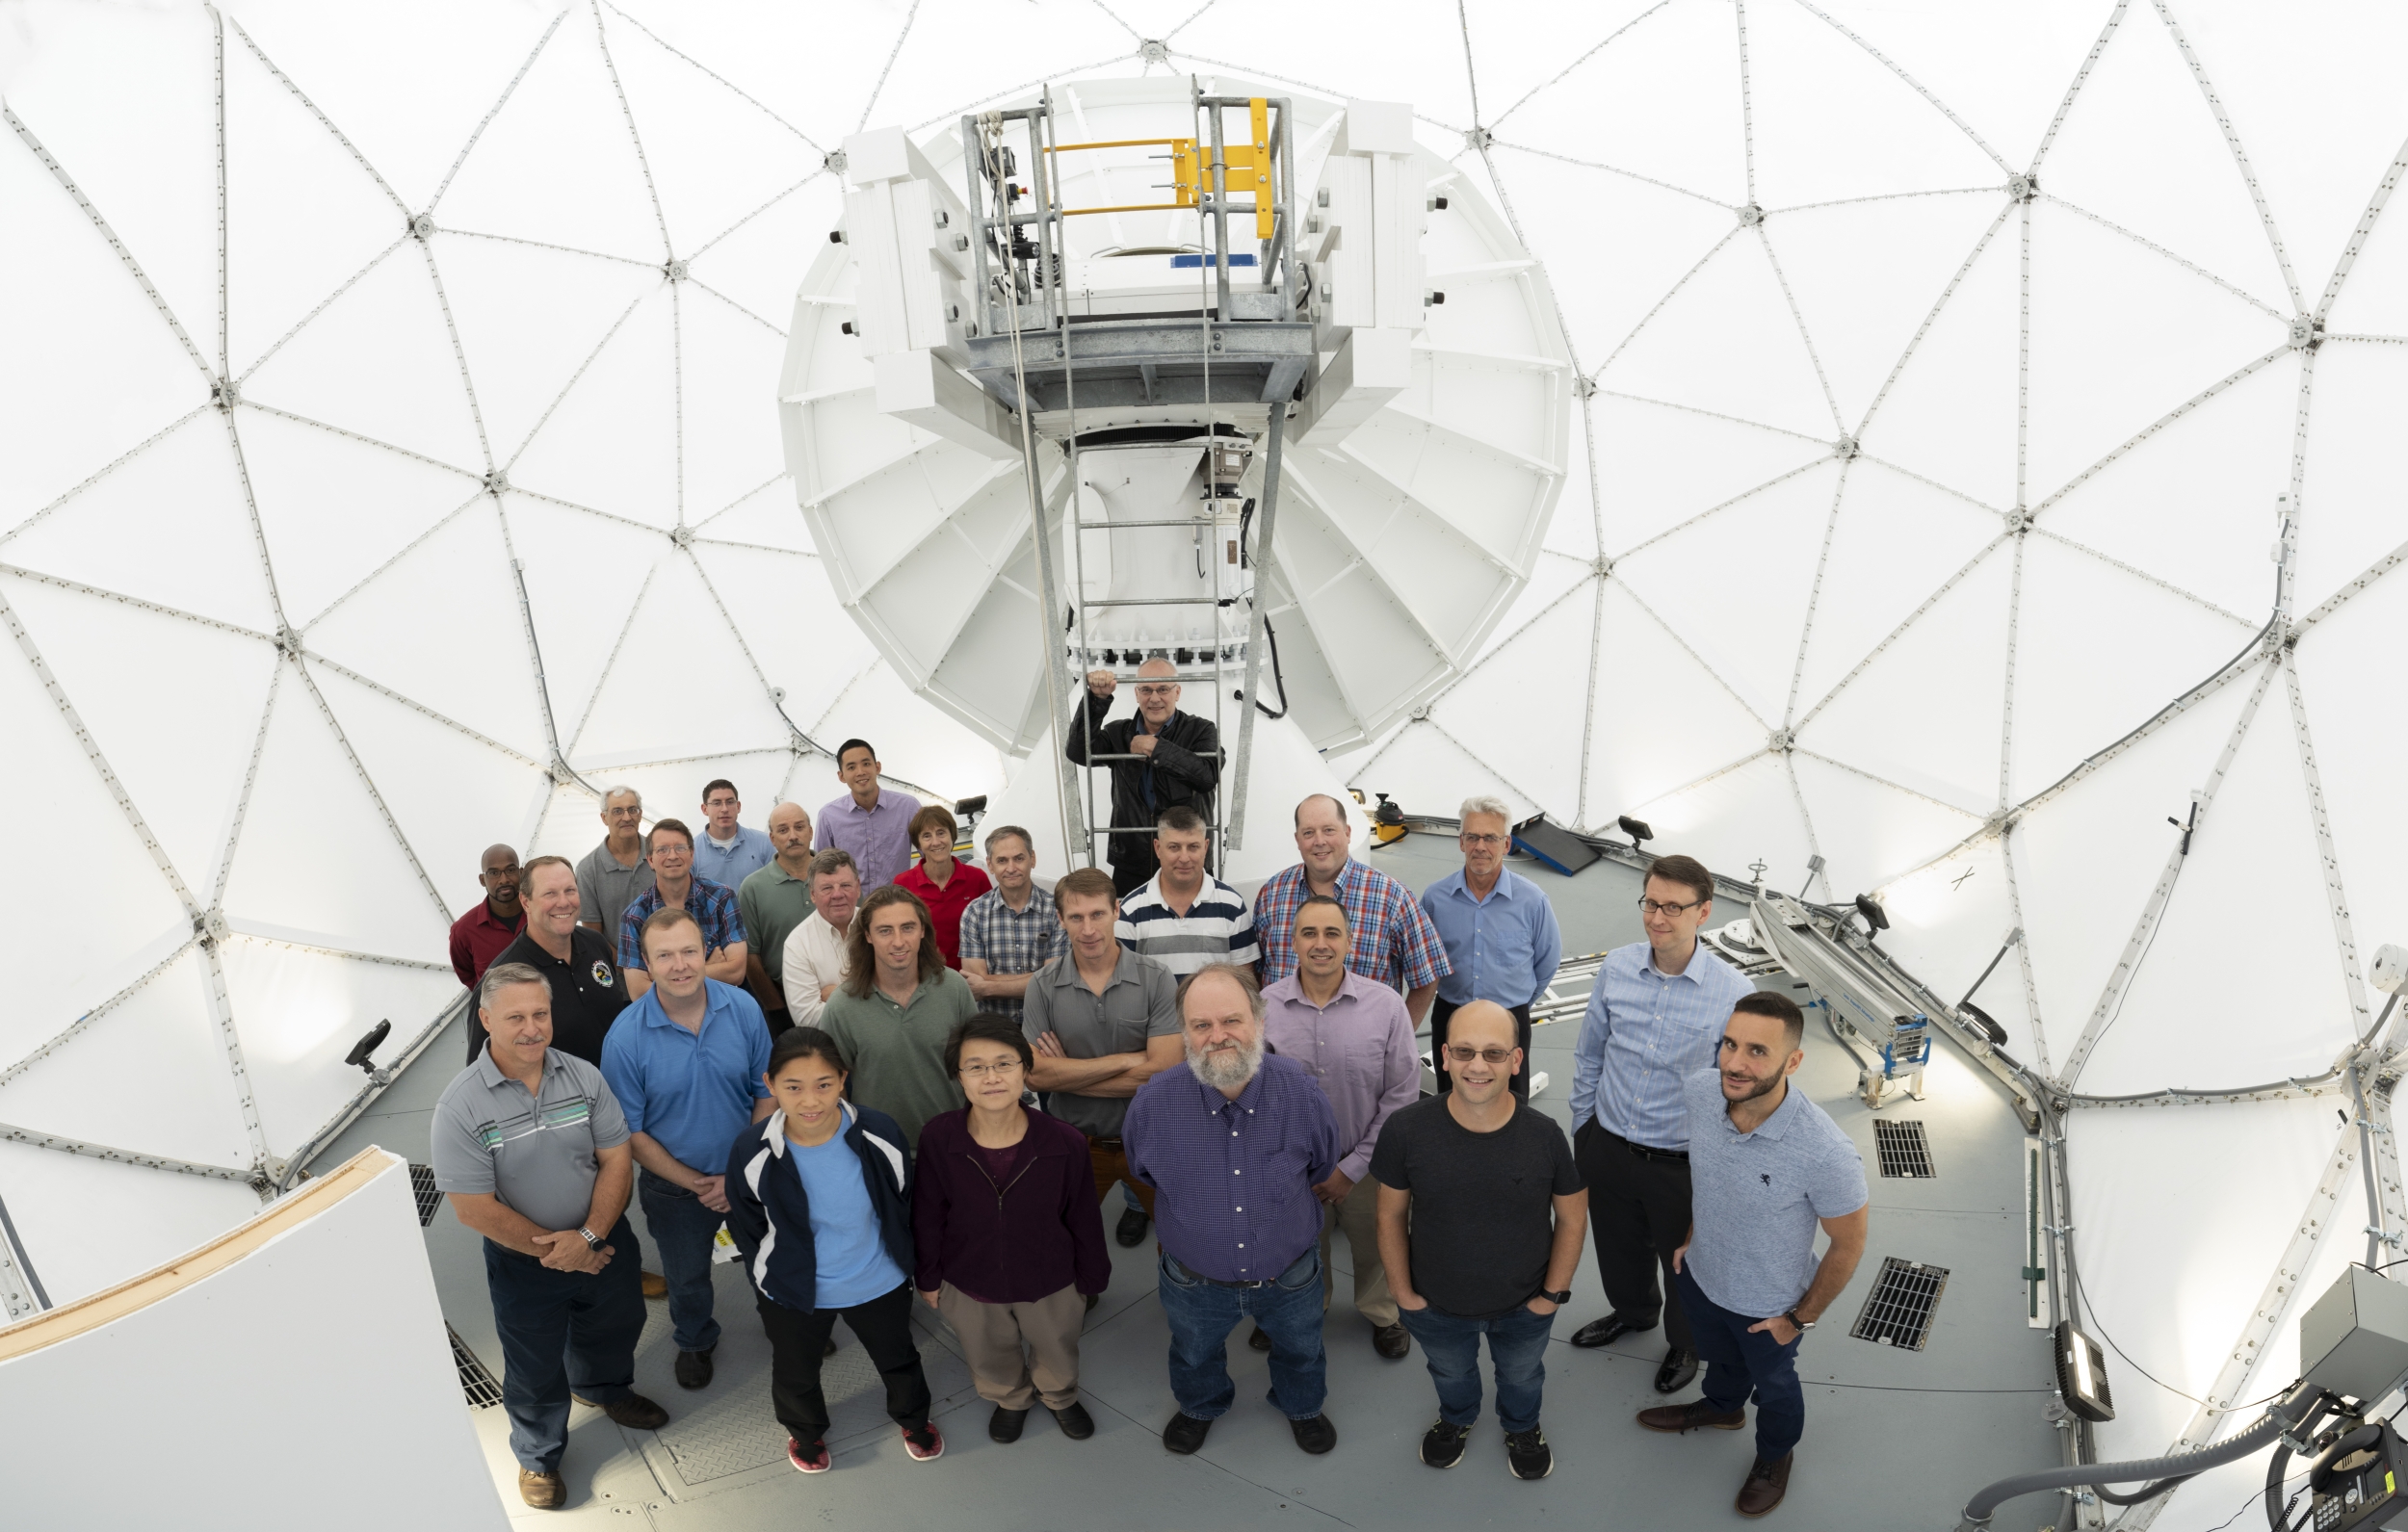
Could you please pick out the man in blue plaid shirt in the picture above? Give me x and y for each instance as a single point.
(1010, 931)
(713, 906)
(1394, 943)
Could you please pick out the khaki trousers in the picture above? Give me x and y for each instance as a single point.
(1359, 1216)
(992, 1333)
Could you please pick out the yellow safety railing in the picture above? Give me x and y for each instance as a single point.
(1246, 167)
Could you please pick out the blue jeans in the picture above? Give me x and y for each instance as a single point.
(562, 1331)
(682, 1228)
(1288, 1308)
(1517, 1347)
(1739, 1361)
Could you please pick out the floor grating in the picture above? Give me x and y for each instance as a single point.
(422, 1186)
(1897, 1311)
(475, 1382)
(1903, 1147)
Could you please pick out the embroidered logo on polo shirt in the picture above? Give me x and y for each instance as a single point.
(601, 974)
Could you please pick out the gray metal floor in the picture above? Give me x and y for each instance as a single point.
(1894, 1439)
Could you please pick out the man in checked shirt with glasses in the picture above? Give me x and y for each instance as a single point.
(1394, 942)
(1655, 1017)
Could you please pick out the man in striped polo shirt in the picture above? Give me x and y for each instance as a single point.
(1182, 916)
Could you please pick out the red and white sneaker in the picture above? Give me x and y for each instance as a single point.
(812, 1459)
(926, 1444)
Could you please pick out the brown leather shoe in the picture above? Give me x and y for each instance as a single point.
(655, 1286)
(543, 1491)
(1767, 1483)
(1696, 1416)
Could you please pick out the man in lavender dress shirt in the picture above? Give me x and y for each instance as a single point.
(1233, 1145)
(1354, 1038)
(868, 823)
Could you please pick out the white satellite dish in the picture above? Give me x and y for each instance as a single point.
(1426, 423)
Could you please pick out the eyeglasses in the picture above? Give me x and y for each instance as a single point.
(1469, 839)
(1157, 691)
(1009, 1066)
(1653, 907)
(1463, 1055)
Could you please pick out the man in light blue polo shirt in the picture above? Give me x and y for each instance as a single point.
(1766, 1166)
(686, 1063)
(1498, 931)
(1655, 1017)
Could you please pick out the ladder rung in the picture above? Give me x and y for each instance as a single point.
(1164, 601)
(1123, 526)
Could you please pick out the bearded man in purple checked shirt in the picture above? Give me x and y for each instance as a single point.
(1233, 1146)
(1394, 942)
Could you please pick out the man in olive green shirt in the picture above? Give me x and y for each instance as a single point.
(895, 1009)
(771, 901)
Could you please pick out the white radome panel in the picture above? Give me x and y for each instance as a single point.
(1940, 374)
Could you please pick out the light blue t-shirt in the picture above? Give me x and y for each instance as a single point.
(853, 1264)
(1757, 1197)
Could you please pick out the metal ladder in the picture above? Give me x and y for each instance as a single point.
(1269, 147)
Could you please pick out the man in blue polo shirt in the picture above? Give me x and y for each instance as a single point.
(1766, 1167)
(1500, 934)
(686, 1063)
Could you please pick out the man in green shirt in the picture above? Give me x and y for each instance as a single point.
(771, 901)
(898, 1004)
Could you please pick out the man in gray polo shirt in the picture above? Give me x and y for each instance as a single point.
(532, 1149)
(1766, 1167)
(1103, 1021)
(618, 873)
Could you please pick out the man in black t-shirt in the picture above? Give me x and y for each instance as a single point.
(587, 990)
(1497, 1209)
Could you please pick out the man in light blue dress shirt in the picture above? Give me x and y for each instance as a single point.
(1655, 1015)
(1498, 931)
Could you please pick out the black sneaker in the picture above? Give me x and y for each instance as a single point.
(1130, 1229)
(1004, 1425)
(694, 1369)
(1442, 1444)
(1527, 1454)
(1075, 1422)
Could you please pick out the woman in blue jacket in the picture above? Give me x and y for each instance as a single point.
(822, 1189)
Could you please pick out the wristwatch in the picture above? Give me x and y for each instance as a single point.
(1558, 1299)
(592, 1239)
(1803, 1325)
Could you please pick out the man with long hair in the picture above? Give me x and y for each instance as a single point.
(895, 1009)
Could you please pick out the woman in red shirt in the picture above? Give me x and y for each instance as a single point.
(944, 885)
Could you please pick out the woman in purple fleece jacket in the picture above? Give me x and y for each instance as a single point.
(1010, 1246)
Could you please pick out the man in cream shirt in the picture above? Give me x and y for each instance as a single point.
(815, 950)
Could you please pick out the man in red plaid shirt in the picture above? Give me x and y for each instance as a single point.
(1394, 943)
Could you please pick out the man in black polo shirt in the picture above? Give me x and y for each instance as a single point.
(1497, 1209)
(587, 992)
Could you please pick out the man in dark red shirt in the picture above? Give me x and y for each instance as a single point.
(479, 936)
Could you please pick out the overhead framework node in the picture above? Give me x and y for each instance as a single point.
(1601, 566)
(1750, 215)
(682, 535)
(289, 639)
(1153, 50)
(835, 161)
(1585, 385)
(224, 393)
(2018, 520)
(2307, 333)
(497, 480)
(1478, 138)
(2023, 188)
(1844, 447)
(675, 271)
(210, 929)
(2000, 822)
(1781, 741)
(422, 227)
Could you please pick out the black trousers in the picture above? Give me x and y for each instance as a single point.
(1638, 1214)
(1132, 866)
(1442, 1010)
(798, 1343)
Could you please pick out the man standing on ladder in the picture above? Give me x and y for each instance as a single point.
(1159, 758)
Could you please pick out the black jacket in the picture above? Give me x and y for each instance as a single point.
(1185, 769)
(768, 1211)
